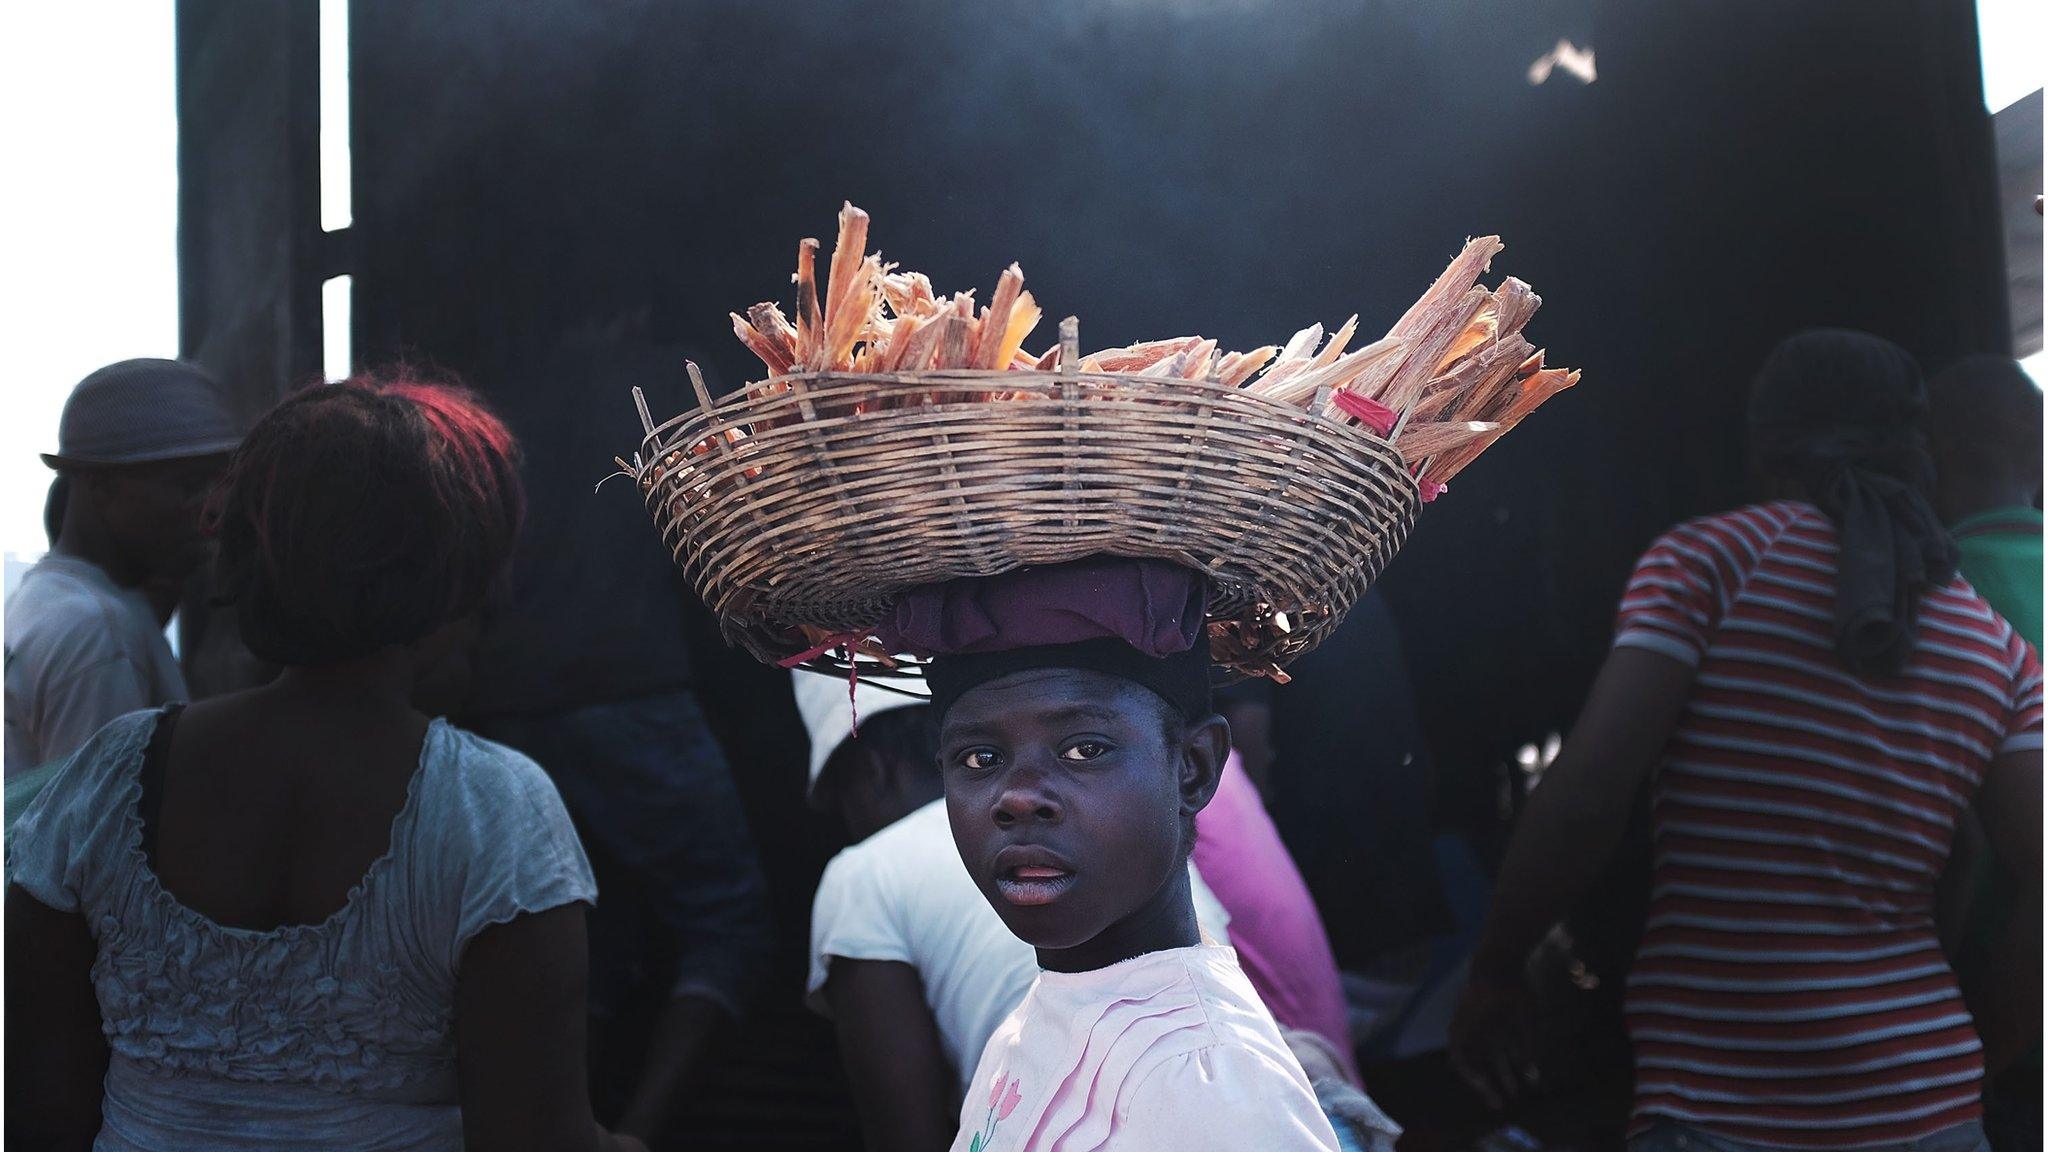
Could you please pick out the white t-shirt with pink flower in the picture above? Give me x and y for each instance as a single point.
(1169, 1050)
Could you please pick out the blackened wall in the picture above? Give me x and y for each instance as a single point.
(533, 175)
(1232, 167)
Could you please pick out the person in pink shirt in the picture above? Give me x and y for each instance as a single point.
(1274, 925)
(1077, 743)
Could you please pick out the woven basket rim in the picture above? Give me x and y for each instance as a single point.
(1365, 461)
(749, 395)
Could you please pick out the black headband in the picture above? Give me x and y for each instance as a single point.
(1181, 679)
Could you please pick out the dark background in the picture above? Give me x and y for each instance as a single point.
(531, 179)
(1236, 168)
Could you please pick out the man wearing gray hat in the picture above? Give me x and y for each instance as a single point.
(139, 446)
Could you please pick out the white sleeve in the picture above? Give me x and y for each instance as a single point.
(1227, 1097)
(62, 848)
(852, 919)
(500, 845)
(87, 691)
(1210, 913)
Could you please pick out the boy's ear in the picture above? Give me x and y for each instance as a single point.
(1203, 754)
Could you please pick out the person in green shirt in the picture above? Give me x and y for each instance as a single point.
(1984, 423)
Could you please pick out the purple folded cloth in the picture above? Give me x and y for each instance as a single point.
(1151, 605)
(1138, 620)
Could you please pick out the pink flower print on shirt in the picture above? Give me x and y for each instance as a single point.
(1000, 1104)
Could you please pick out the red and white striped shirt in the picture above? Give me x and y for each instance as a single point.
(1789, 989)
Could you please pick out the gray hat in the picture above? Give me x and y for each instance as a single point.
(139, 411)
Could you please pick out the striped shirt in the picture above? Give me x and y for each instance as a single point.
(1789, 989)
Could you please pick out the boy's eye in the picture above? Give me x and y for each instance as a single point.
(1084, 750)
(980, 758)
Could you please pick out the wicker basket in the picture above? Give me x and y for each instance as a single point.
(813, 499)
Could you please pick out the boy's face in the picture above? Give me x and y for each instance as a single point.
(1068, 798)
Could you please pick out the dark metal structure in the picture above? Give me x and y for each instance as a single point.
(251, 256)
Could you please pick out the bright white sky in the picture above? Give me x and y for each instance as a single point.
(2012, 35)
(88, 224)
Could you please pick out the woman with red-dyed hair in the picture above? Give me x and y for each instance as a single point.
(306, 915)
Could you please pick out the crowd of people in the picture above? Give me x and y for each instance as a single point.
(435, 877)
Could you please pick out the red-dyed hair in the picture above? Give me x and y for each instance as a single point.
(364, 514)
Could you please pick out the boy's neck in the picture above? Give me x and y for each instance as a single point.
(1165, 921)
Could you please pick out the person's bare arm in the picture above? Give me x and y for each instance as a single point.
(682, 1038)
(2008, 1011)
(894, 1061)
(56, 1055)
(1573, 822)
(1956, 903)
(519, 1039)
